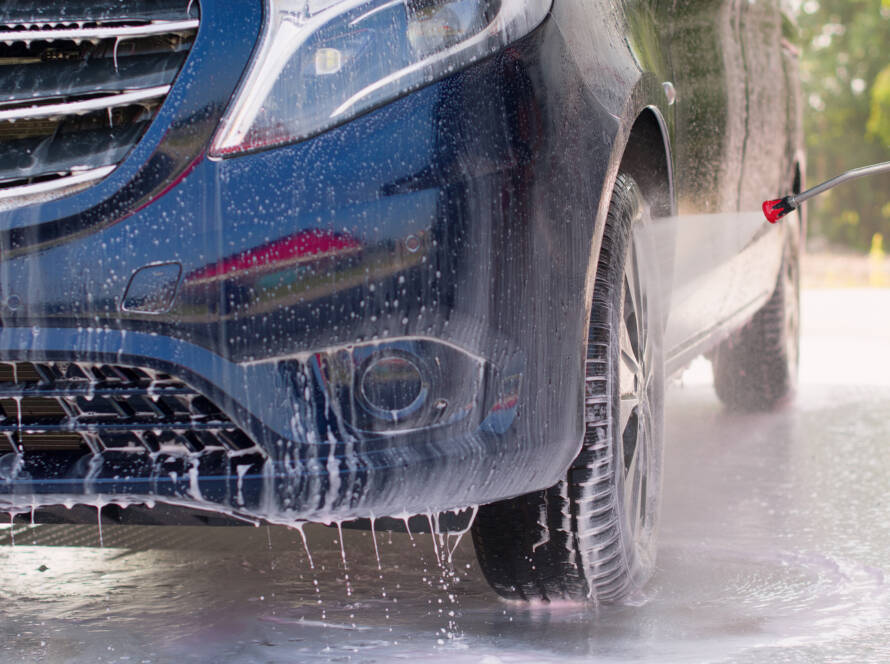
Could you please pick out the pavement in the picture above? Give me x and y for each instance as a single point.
(774, 547)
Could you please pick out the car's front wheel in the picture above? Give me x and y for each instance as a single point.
(592, 535)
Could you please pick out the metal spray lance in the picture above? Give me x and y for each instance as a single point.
(775, 210)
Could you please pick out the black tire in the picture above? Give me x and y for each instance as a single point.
(592, 535)
(756, 368)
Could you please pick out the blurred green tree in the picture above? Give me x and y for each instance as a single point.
(879, 120)
(845, 76)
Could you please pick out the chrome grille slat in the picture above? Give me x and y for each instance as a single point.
(87, 106)
(70, 389)
(93, 407)
(80, 83)
(79, 34)
(59, 184)
(12, 427)
(20, 12)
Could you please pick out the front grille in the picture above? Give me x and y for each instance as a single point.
(80, 82)
(93, 408)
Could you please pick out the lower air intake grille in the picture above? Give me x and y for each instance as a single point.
(67, 406)
(80, 82)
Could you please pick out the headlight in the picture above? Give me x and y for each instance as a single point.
(321, 62)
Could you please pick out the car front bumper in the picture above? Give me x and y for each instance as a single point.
(451, 227)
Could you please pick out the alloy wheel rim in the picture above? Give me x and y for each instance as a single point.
(636, 385)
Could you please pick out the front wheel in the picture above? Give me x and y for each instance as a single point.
(592, 535)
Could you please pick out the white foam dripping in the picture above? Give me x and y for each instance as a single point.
(333, 468)
(241, 470)
(194, 486)
(404, 517)
(458, 536)
(374, 539)
(343, 557)
(117, 43)
(99, 505)
(299, 525)
(433, 520)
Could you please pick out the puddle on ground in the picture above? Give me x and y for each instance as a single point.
(775, 547)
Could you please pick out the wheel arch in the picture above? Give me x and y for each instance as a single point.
(647, 158)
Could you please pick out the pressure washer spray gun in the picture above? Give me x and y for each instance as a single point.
(775, 210)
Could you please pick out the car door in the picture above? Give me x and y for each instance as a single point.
(703, 39)
(766, 169)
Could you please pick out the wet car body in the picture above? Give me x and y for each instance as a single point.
(453, 230)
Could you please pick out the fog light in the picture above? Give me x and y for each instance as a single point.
(393, 386)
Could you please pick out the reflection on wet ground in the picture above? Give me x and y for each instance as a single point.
(775, 548)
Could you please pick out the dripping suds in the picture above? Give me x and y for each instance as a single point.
(374, 539)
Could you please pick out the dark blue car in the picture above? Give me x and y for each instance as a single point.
(323, 260)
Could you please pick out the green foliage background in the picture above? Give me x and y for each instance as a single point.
(845, 76)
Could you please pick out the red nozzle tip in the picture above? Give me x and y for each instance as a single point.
(775, 210)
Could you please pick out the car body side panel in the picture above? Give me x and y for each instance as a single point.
(765, 170)
(731, 153)
(709, 75)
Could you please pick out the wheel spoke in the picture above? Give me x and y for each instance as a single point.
(626, 409)
(628, 370)
(630, 365)
(643, 464)
(648, 378)
(638, 300)
(630, 278)
(648, 352)
(642, 468)
(632, 483)
(629, 490)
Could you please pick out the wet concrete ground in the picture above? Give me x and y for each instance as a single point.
(775, 547)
